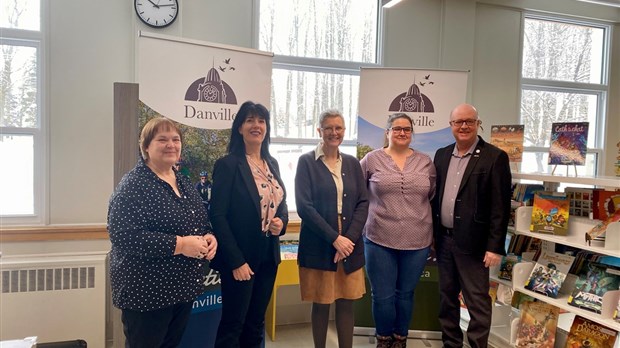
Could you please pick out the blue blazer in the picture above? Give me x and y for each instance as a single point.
(315, 195)
(235, 215)
(482, 204)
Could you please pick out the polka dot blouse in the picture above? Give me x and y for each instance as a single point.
(144, 217)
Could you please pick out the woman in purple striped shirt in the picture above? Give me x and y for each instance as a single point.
(399, 229)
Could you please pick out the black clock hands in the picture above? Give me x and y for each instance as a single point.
(154, 4)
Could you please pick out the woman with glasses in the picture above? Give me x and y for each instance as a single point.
(248, 206)
(399, 229)
(330, 192)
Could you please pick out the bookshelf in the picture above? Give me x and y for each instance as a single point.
(504, 318)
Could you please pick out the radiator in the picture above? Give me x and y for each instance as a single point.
(56, 297)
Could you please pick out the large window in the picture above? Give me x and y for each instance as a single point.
(21, 125)
(319, 47)
(563, 79)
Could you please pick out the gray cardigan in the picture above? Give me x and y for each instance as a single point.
(315, 195)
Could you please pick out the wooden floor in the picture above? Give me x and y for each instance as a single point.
(300, 336)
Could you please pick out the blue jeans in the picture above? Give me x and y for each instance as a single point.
(393, 276)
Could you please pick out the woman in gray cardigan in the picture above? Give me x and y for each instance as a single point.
(330, 193)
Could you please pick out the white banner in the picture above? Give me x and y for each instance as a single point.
(200, 84)
(427, 96)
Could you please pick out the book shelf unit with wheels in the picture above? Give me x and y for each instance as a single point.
(505, 318)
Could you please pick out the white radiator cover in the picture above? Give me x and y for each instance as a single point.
(56, 297)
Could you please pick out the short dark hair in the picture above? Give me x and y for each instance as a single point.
(249, 108)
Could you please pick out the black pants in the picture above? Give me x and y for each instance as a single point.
(158, 328)
(463, 272)
(243, 308)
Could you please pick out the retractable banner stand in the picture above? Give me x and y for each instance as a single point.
(200, 86)
(427, 96)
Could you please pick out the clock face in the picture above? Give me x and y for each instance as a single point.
(157, 13)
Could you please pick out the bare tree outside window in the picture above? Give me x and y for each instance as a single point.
(562, 81)
(21, 139)
(319, 46)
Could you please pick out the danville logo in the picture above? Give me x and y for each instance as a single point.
(414, 100)
(211, 88)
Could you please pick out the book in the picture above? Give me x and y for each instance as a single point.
(510, 139)
(519, 298)
(598, 231)
(604, 203)
(569, 143)
(587, 333)
(537, 326)
(580, 201)
(505, 268)
(289, 249)
(549, 273)
(550, 213)
(594, 281)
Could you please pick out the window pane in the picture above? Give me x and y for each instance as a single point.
(18, 86)
(17, 176)
(537, 162)
(341, 30)
(20, 14)
(562, 51)
(298, 98)
(539, 109)
(288, 156)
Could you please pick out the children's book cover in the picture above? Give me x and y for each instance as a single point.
(288, 249)
(604, 203)
(510, 139)
(580, 201)
(505, 268)
(598, 231)
(538, 324)
(549, 273)
(594, 281)
(550, 213)
(569, 143)
(586, 333)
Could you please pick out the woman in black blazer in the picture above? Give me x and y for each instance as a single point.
(249, 212)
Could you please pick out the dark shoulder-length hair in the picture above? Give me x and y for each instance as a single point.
(236, 144)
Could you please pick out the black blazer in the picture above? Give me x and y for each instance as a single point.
(315, 195)
(482, 204)
(235, 215)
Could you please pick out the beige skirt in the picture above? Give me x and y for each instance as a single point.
(326, 286)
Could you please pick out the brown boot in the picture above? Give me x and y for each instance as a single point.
(384, 341)
(399, 342)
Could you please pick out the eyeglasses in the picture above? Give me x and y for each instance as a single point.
(406, 130)
(333, 130)
(469, 123)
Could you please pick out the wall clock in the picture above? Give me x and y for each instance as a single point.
(157, 13)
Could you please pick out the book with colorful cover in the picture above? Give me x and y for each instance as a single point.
(537, 326)
(549, 273)
(595, 279)
(505, 268)
(587, 333)
(569, 143)
(289, 249)
(604, 203)
(598, 231)
(580, 200)
(510, 139)
(519, 298)
(550, 213)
